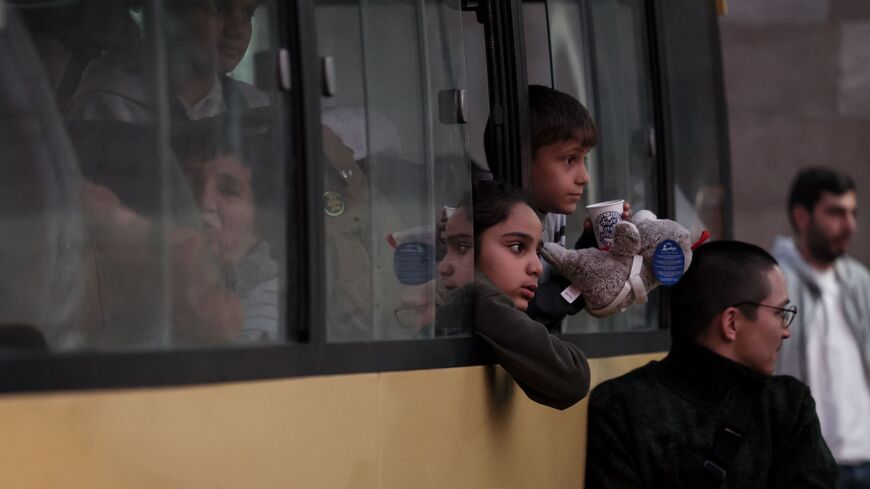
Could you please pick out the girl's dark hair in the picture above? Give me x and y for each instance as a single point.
(491, 204)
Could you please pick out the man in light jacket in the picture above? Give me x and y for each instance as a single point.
(830, 345)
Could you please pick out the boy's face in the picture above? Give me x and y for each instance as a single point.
(225, 195)
(558, 176)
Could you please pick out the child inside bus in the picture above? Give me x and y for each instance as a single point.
(236, 190)
(506, 235)
(562, 134)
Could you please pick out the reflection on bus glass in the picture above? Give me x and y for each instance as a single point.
(169, 205)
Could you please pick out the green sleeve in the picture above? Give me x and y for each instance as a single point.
(549, 370)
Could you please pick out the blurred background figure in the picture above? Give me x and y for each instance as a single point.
(830, 348)
(797, 87)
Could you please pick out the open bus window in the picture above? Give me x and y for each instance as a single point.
(145, 204)
(396, 153)
(599, 54)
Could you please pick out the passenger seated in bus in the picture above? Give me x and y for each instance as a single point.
(562, 133)
(206, 40)
(236, 190)
(130, 260)
(355, 208)
(506, 237)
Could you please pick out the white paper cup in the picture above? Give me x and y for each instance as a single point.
(605, 216)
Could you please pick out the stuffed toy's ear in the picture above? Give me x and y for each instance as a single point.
(643, 215)
(626, 239)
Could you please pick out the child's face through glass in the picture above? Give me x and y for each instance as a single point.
(509, 254)
(457, 267)
(223, 190)
(559, 176)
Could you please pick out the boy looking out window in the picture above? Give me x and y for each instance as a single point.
(562, 134)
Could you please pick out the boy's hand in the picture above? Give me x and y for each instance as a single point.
(626, 214)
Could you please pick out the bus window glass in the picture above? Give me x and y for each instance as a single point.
(395, 162)
(599, 54)
(155, 214)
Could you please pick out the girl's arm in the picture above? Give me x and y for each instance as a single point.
(550, 371)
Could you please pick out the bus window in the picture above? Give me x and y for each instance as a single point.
(160, 209)
(396, 160)
(599, 54)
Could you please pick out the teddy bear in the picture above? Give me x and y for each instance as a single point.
(645, 253)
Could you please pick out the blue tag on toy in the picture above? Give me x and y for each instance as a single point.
(668, 262)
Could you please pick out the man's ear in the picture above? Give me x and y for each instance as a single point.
(800, 215)
(728, 323)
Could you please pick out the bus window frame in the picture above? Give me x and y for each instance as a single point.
(179, 367)
(307, 352)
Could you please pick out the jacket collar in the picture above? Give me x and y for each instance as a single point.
(700, 375)
(786, 252)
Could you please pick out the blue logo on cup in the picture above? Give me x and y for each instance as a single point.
(605, 224)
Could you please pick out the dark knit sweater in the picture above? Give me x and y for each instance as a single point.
(654, 427)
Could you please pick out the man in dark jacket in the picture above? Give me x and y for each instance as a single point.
(710, 414)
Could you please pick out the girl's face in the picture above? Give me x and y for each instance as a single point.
(222, 187)
(509, 254)
(457, 267)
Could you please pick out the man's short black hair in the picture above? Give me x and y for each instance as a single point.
(810, 183)
(722, 274)
(554, 117)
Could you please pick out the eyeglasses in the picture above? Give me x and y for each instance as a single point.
(787, 314)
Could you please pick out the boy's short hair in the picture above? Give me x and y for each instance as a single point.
(554, 117)
(722, 274)
(810, 183)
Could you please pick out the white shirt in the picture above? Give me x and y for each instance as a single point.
(554, 232)
(836, 377)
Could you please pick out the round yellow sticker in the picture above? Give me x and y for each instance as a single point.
(333, 203)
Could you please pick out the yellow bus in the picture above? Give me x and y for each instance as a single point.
(201, 203)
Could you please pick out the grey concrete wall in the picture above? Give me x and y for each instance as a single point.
(797, 81)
